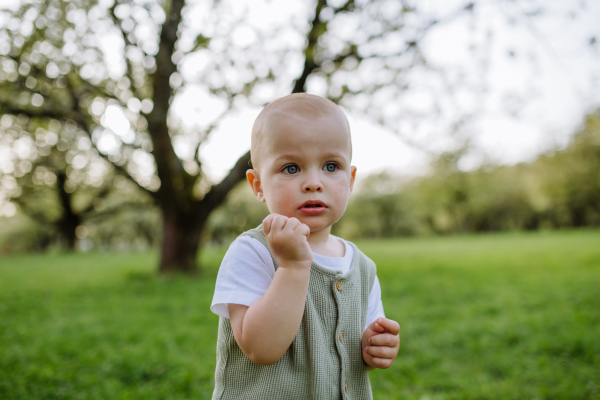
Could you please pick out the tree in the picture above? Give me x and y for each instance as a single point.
(559, 189)
(570, 178)
(45, 196)
(56, 70)
(59, 181)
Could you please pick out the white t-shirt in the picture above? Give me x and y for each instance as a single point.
(247, 271)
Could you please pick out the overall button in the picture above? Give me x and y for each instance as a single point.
(341, 333)
(346, 387)
(339, 286)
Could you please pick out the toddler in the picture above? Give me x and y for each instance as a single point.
(300, 309)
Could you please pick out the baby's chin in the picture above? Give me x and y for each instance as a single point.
(312, 221)
(282, 213)
(315, 226)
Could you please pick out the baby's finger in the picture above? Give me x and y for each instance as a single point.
(384, 339)
(381, 351)
(303, 229)
(291, 224)
(266, 224)
(375, 327)
(382, 363)
(278, 223)
(390, 325)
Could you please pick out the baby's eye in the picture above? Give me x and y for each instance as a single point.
(291, 169)
(330, 167)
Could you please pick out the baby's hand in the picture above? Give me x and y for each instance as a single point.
(287, 238)
(380, 343)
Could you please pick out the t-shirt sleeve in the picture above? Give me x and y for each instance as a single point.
(375, 306)
(246, 272)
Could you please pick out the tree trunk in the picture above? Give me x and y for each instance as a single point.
(66, 230)
(69, 221)
(181, 240)
(182, 226)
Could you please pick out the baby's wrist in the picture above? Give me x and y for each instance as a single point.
(296, 265)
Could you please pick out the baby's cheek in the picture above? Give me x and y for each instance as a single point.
(283, 203)
(341, 197)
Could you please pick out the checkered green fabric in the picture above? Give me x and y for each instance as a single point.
(324, 361)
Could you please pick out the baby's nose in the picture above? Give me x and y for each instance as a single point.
(312, 184)
(313, 188)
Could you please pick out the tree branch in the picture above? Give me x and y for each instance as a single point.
(215, 123)
(316, 30)
(121, 207)
(218, 192)
(80, 119)
(175, 181)
(33, 113)
(100, 195)
(77, 115)
(129, 70)
(38, 217)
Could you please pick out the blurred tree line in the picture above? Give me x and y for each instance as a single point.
(559, 189)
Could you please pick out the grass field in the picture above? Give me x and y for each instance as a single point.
(506, 316)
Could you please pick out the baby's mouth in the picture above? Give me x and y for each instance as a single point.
(313, 207)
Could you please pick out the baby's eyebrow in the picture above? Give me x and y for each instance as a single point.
(293, 156)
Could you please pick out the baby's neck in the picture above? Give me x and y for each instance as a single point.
(324, 244)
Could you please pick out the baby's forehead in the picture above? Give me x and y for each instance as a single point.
(281, 117)
(285, 126)
(297, 110)
(300, 109)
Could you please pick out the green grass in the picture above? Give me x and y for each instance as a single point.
(507, 316)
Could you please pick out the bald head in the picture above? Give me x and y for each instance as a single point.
(294, 108)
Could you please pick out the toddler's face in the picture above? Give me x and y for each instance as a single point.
(304, 169)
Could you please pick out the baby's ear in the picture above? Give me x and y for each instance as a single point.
(254, 181)
(352, 176)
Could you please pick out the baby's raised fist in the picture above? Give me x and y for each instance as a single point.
(287, 238)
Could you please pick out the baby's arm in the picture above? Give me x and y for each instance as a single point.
(380, 343)
(265, 330)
